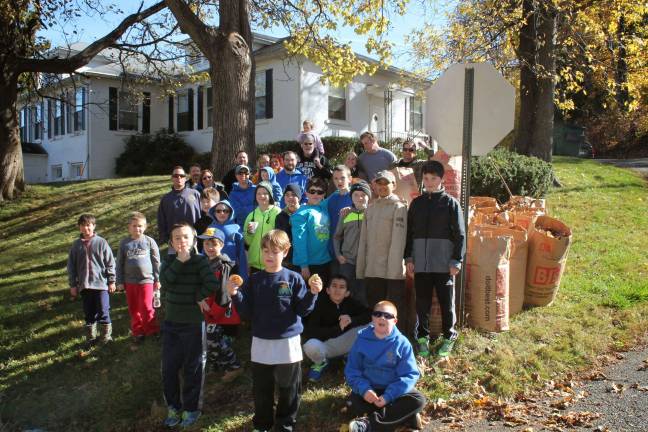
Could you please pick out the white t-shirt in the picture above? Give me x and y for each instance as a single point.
(276, 351)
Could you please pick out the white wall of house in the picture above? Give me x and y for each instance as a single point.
(35, 167)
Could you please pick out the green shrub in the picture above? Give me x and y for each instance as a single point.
(336, 147)
(524, 175)
(150, 154)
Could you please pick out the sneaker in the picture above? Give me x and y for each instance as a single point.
(423, 347)
(316, 371)
(360, 424)
(189, 418)
(173, 418)
(446, 348)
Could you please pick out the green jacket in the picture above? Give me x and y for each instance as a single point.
(184, 285)
(266, 220)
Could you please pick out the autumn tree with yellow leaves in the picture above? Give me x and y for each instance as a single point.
(583, 57)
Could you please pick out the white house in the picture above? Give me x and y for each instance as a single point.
(83, 130)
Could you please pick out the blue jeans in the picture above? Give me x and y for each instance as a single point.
(96, 306)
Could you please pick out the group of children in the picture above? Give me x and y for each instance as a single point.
(356, 247)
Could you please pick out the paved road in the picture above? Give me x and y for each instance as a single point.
(640, 165)
(614, 399)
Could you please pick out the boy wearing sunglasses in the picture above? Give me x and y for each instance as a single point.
(382, 372)
(311, 233)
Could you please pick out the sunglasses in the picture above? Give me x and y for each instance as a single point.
(207, 177)
(381, 314)
(316, 192)
(308, 144)
(221, 211)
(408, 149)
(178, 175)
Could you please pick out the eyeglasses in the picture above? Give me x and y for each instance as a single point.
(178, 175)
(408, 149)
(207, 177)
(221, 211)
(308, 144)
(381, 314)
(316, 191)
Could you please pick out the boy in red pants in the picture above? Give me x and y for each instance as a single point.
(138, 271)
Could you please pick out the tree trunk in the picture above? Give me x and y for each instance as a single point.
(543, 125)
(526, 55)
(12, 179)
(232, 76)
(621, 68)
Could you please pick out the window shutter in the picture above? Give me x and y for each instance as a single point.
(170, 113)
(49, 118)
(112, 108)
(268, 83)
(146, 113)
(42, 118)
(83, 108)
(200, 114)
(64, 107)
(190, 114)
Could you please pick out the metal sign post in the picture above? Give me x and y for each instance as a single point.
(469, 93)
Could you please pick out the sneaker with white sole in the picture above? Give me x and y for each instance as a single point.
(316, 371)
(446, 348)
(361, 424)
(189, 418)
(423, 347)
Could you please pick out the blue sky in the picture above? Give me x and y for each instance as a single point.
(92, 27)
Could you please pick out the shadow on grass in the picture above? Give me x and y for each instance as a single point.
(56, 265)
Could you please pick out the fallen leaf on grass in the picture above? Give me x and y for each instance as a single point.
(573, 419)
(636, 386)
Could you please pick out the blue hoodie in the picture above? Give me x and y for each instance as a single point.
(234, 244)
(297, 177)
(277, 190)
(387, 364)
(310, 233)
(242, 201)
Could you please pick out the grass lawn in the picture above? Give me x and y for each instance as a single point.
(45, 381)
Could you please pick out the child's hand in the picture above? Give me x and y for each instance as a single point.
(344, 212)
(315, 283)
(341, 259)
(120, 287)
(370, 396)
(380, 402)
(74, 292)
(204, 307)
(454, 271)
(111, 287)
(318, 163)
(410, 268)
(345, 320)
(157, 285)
(232, 288)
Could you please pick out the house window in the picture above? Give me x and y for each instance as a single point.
(127, 118)
(79, 109)
(184, 119)
(210, 106)
(23, 124)
(337, 103)
(59, 120)
(76, 169)
(37, 122)
(57, 172)
(416, 114)
(260, 95)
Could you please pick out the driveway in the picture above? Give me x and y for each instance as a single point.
(640, 164)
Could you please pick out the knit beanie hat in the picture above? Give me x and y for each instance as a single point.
(294, 188)
(267, 186)
(361, 186)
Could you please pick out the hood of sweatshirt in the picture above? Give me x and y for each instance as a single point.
(230, 219)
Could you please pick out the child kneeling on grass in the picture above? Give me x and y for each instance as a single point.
(91, 272)
(275, 300)
(187, 281)
(333, 326)
(381, 371)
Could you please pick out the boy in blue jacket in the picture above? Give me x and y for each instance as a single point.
(275, 300)
(382, 372)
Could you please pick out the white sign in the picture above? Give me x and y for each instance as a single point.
(493, 108)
